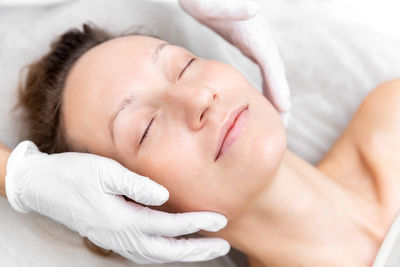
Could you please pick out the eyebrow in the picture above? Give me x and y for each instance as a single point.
(129, 99)
(157, 52)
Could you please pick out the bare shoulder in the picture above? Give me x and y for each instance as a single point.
(365, 157)
(365, 150)
(378, 117)
(381, 107)
(375, 131)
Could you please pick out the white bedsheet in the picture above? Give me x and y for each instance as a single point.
(334, 52)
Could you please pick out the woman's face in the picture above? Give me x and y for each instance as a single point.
(115, 90)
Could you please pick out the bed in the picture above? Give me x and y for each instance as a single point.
(335, 52)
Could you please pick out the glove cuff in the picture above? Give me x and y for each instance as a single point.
(15, 159)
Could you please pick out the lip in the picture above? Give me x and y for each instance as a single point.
(228, 124)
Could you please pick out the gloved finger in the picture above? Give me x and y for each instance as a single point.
(220, 9)
(160, 223)
(168, 249)
(115, 179)
(261, 48)
(276, 88)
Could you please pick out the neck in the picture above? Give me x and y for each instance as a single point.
(304, 218)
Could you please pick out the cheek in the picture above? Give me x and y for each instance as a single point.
(268, 140)
(175, 162)
(194, 183)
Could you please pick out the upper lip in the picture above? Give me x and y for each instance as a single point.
(227, 125)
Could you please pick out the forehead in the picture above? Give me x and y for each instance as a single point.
(101, 78)
(114, 54)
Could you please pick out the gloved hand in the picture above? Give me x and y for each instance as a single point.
(238, 23)
(83, 191)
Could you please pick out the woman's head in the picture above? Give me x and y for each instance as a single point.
(41, 91)
(112, 92)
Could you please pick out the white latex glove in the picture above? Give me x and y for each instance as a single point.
(83, 191)
(237, 22)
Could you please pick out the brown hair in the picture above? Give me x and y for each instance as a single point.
(40, 93)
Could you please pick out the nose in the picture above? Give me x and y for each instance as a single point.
(193, 103)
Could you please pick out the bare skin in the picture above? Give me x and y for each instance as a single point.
(4, 154)
(367, 151)
(282, 211)
(287, 214)
(359, 181)
(361, 164)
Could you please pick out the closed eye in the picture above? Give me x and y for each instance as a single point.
(147, 131)
(148, 127)
(184, 69)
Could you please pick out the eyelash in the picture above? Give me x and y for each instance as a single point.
(147, 130)
(185, 68)
(180, 75)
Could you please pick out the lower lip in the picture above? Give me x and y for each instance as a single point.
(234, 132)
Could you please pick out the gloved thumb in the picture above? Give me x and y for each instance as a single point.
(115, 179)
(220, 9)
